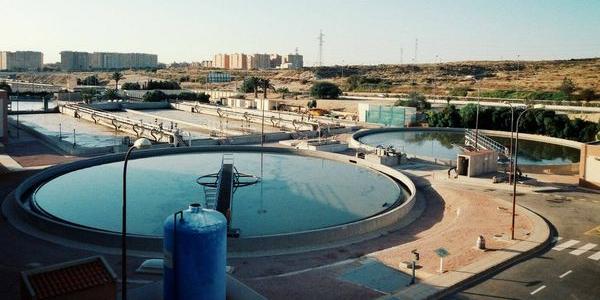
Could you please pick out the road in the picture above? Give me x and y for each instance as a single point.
(570, 269)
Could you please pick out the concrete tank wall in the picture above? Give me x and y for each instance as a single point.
(260, 245)
(560, 169)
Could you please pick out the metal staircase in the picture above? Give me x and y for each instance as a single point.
(210, 197)
(484, 142)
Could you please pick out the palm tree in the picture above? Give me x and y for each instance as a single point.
(265, 84)
(116, 76)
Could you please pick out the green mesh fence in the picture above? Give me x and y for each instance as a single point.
(386, 115)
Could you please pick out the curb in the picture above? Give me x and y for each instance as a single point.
(502, 265)
(428, 289)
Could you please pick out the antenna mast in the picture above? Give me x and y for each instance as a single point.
(321, 35)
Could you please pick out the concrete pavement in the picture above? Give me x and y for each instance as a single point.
(568, 269)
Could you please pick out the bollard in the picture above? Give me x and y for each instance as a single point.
(480, 243)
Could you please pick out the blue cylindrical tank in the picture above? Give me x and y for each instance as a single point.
(195, 248)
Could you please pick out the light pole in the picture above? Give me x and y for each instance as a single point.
(477, 113)
(138, 144)
(515, 154)
(437, 61)
(512, 122)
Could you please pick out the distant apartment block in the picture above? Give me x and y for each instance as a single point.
(21, 61)
(241, 61)
(74, 61)
(83, 61)
(238, 61)
(275, 60)
(251, 63)
(296, 60)
(206, 64)
(221, 61)
(262, 61)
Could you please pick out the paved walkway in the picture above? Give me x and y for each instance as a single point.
(455, 215)
(448, 215)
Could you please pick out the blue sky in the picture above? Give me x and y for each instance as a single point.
(356, 32)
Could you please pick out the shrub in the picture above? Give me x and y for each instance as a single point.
(154, 96)
(6, 87)
(90, 80)
(131, 86)
(162, 85)
(459, 91)
(415, 99)
(325, 90)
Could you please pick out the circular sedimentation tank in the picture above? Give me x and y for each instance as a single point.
(303, 199)
(443, 144)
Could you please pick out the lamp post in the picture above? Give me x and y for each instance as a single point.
(512, 122)
(515, 154)
(477, 113)
(138, 144)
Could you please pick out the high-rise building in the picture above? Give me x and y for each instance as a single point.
(75, 61)
(221, 61)
(82, 61)
(296, 60)
(242, 61)
(206, 64)
(238, 61)
(21, 60)
(251, 63)
(263, 61)
(275, 60)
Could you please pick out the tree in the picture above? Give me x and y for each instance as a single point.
(88, 94)
(283, 91)
(117, 76)
(325, 90)
(131, 86)
(201, 97)
(265, 85)
(414, 100)
(90, 80)
(110, 94)
(567, 87)
(544, 122)
(459, 91)
(449, 117)
(154, 96)
(162, 85)
(587, 95)
(6, 87)
(468, 115)
(250, 85)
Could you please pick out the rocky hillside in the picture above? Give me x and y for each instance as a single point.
(427, 78)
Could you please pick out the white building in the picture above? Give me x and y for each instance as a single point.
(83, 61)
(296, 61)
(21, 61)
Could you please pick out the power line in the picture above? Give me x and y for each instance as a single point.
(416, 49)
(401, 55)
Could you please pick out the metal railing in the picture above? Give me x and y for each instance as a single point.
(484, 142)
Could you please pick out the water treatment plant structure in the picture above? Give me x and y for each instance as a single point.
(354, 213)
